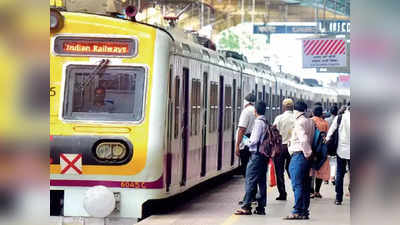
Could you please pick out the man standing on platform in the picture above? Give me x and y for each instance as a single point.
(245, 126)
(284, 123)
(256, 172)
(299, 167)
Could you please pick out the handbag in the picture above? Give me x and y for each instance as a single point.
(333, 142)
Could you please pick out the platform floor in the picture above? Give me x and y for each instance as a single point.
(216, 207)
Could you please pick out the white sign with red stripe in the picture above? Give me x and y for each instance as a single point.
(71, 163)
(324, 53)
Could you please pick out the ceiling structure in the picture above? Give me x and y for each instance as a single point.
(222, 14)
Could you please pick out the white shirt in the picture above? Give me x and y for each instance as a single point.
(285, 125)
(343, 150)
(303, 133)
(246, 119)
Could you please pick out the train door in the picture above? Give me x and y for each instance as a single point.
(204, 127)
(233, 122)
(220, 121)
(185, 124)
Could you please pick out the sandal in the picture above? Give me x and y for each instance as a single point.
(294, 217)
(242, 212)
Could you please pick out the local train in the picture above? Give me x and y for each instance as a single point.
(144, 113)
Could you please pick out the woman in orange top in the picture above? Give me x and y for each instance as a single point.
(325, 171)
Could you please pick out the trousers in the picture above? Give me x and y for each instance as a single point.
(299, 168)
(281, 163)
(256, 175)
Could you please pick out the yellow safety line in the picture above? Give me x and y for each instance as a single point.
(230, 220)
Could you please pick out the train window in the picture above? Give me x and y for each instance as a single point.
(195, 111)
(228, 108)
(213, 107)
(117, 94)
(176, 117)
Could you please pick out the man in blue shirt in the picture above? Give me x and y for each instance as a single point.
(256, 172)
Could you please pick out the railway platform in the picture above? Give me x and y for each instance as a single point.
(216, 207)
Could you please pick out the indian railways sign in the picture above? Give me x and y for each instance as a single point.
(94, 46)
(324, 53)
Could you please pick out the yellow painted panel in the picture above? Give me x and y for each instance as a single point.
(87, 25)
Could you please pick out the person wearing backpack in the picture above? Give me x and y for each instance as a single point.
(299, 167)
(322, 173)
(256, 172)
(284, 123)
(343, 150)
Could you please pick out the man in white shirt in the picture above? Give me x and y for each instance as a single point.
(245, 126)
(299, 167)
(284, 123)
(343, 151)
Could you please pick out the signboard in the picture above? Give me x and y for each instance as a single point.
(334, 26)
(94, 46)
(324, 53)
(71, 164)
(282, 29)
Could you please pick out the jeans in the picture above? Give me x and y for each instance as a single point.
(299, 172)
(281, 162)
(340, 172)
(256, 174)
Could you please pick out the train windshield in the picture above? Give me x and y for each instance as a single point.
(114, 94)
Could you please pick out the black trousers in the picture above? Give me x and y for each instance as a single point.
(244, 160)
(281, 163)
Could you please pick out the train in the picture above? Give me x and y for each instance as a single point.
(144, 113)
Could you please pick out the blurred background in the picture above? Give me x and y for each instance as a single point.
(375, 57)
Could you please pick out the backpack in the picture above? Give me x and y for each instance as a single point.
(271, 145)
(333, 142)
(319, 149)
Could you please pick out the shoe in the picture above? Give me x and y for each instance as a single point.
(334, 182)
(281, 198)
(259, 212)
(326, 182)
(312, 196)
(337, 202)
(318, 195)
(240, 202)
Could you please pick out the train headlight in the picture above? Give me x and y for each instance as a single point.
(111, 150)
(104, 151)
(56, 20)
(119, 151)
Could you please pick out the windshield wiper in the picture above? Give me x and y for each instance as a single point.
(98, 70)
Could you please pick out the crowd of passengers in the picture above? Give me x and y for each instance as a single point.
(299, 129)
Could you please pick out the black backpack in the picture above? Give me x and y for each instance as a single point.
(333, 142)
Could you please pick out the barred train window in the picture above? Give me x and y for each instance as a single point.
(195, 110)
(116, 94)
(213, 107)
(228, 108)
